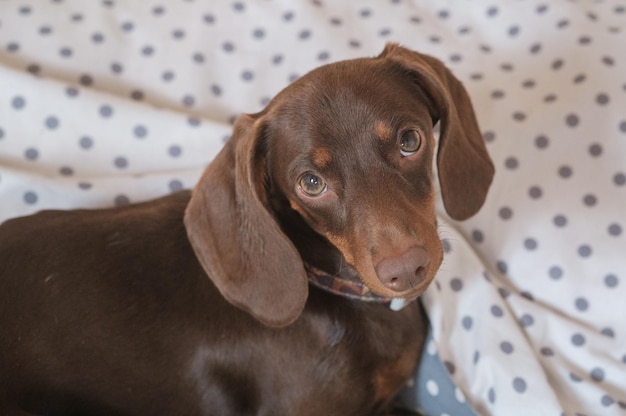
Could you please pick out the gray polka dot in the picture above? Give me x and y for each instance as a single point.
(504, 292)
(607, 400)
(478, 236)
(489, 136)
(30, 198)
(584, 251)
(496, 311)
(519, 116)
(519, 385)
(560, 220)
(608, 332)
(602, 99)
(546, 351)
(529, 83)
(597, 374)
(97, 37)
(167, 76)
(84, 186)
(581, 304)
(117, 68)
(580, 78)
(120, 162)
(198, 58)
(216, 90)
(502, 266)
(506, 347)
(33, 69)
(66, 52)
(446, 246)
(578, 340)
(550, 98)
(52, 122)
(195, 122)
(128, 26)
(1, 133)
(18, 102)
(615, 230)
(467, 322)
(619, 179)
(175, 151)
(178, 34)
(575, 378)
(530, 244)
(622, 126)
(557, 64)
(590, 200)
(175, 185)
(528, 295)
(147, 50)
(572, 120)
(31, 154)
(106, 111)
(491, 395)
(511, 163)
(121, 200)
(611, 281)
(140, 131)
(456, 284)
(607, 60)
(189, 100)
(535, 192)
(86, 142)
(247, 75)
(595, 150)
(535, 48)
(228, 47)
(555, 272)
(476, 357)
(71, 92)
(505, 213)
(208, 19)
(85, 80)
(541, 142)
(527, 320)
(66, 171)
(497, 94)
(565, 172)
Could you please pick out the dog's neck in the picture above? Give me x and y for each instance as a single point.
(350, 287)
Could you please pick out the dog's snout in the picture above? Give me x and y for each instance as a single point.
(403, 272)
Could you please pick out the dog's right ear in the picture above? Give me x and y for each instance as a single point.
(235, 237)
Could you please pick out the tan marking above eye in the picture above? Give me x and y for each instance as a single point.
(321, 157)
(383, 130)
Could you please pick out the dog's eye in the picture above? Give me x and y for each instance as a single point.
(410, 143)
(312, 185)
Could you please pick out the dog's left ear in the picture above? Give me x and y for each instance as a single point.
(235, 236)
(465, 169)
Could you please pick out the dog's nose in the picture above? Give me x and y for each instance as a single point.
(405, 271)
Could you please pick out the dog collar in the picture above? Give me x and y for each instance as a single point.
(351, 288)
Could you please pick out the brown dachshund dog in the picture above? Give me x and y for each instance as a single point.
(223, 301)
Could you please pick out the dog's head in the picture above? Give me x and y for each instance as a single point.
(336, 171)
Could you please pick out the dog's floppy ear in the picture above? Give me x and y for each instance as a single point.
(465, 169)
(235, 237)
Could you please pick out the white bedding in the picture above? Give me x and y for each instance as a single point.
(110, 102)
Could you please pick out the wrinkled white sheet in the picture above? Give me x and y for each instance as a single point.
(109, 102)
